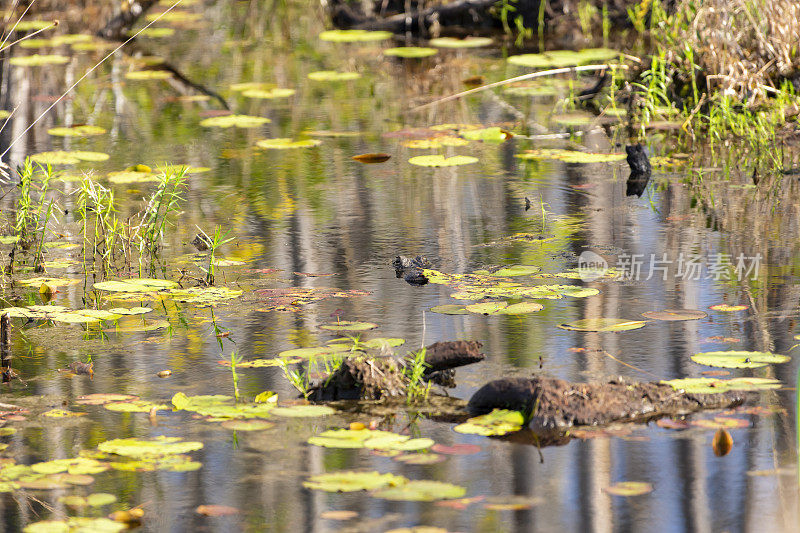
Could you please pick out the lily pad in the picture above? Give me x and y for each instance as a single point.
(354, 36)
(204, 296)
(62, 413)
(50, 282)
(410, 52)
(148, 75)
(37, 60)
(570, 156)
(76, 524)
(739, 359)
(729, 308)
(140, 448)
(238, 121)
(367, 438)
(303, 411)
(564, 58)
(498, 422)
(348, 481)
(721, 422)
(503, 308)
(675, 314)
(286, 143)
(467, 42)
(130, 310)
(347, 325)
(436, 142)
(629, 488)
(318, 351)
(450, 309)
(372, 158)
(135, 406)
(247, 425)
(222, 407)
(603, 324)
(136, 285)
(156, 33)
(32, 25)
(491, 135)
(268, 94)
(103, 398)
(126, 177)
(84, 130)
(441, 161)
(421, 491)
(68, 158)
(712, 386)
(332, 75)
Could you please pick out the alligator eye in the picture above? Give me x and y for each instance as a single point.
(747, 360)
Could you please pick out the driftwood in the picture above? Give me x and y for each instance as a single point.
(375, 378)
(558, 404)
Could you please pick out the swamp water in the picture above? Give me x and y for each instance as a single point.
(324, 220)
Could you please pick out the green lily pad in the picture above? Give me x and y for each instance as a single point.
(250, 85)
(247, 425)
(100, 499)
(739, 359)
(204, 296)
(67, 158)
(50, 282)
(140, 448)
(441, 161)
(138, 326)
(9, 239)
(130, 310)
(135, 406)
(491, 135)
(421, 491)
(37, 60)
(570, 156)
(426, 144)
(410, 52)
(603, 324)
(259, 363)
(219, 406)
(502, 308)
(450, 309)
(303, 411)
(126, 177)
(174, 16)
(712, 386)
(467, 42)
(62, 413)
(84, 130)
(629, 488)
(348, 481)
(135, 285)
(675, 314)
(347, 325)
(498, 422)
(268, 94)
(332, 75)
(76, 525)
(239, 121)
(102, 398)
(155, 33)
(138, 75)
(382, 343)
(319, 351)
(286, 143)
(564, 58)
(369, 438)
(33, 25)
(354, 36)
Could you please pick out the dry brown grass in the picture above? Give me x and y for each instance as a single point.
(745, 47)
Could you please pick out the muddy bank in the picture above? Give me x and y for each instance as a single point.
(555, 403)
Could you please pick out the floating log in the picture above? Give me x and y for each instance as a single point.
(558, 404)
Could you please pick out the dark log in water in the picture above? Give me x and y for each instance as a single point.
(556, 404)
(366, 378)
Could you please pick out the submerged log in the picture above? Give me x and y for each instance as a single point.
(556, 404)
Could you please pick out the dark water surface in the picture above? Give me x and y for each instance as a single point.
(314, 210)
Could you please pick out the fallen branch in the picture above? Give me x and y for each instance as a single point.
(530, 76)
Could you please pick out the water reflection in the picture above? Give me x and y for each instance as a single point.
(318, 211)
